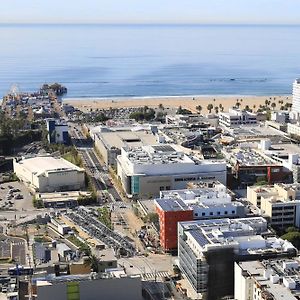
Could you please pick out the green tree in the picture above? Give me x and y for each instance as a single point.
(273, 105)
(293, 237)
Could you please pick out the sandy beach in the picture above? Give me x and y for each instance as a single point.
(189, 102)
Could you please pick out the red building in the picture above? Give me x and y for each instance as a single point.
(170, 213)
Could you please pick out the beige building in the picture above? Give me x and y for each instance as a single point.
(109, 142)
(280, 203)
(49, 174)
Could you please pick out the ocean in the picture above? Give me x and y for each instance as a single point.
(150, 60)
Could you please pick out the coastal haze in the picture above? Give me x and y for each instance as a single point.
(152, 60)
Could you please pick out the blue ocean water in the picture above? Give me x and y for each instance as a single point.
(150, 60)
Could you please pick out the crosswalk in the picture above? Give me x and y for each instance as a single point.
(153, 275)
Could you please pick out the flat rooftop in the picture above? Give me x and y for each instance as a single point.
(285, 148)
(242, 234)
(179, 205)
(41, 164)
(215, 191)
(126, 138)
(248, 157)
(287, 272)
(172, 205)
(164, 154)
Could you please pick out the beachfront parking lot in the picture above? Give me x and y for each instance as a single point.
(15, 196)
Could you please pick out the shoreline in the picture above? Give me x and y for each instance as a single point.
(190, 101)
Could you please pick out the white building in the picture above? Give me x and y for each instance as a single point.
(209, 202)
(58, 132)
(237, 117)
(147, 170)
(293, 129)
(207, 250)
(269, 279)
(296, 97)
(281, 117)
(49, 174)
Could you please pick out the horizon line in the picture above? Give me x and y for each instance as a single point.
(150, 23)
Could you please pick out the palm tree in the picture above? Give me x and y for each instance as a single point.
(247, 108)
(160, 106)
(254, 106)
(210, 107)
(238, 104)
(273, 105)
(216, 109)
(199, 108)
(221, 107)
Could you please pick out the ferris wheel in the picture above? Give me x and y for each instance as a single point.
(14, 90)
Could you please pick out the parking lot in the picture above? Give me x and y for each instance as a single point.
(15, 196)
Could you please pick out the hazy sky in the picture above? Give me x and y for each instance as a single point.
(150, 11)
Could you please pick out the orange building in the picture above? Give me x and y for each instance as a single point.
(170, 213)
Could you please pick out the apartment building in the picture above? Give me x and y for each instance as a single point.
(236, 117)
(279, 203)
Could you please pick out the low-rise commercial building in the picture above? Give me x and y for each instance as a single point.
(236, 117)
(207, 250)
(279, 203)
(68, 199)
(58, 131)
(49, 174)
(147, 170)
(249, 167)
(208, 202)
(267, 280)
(87, 287)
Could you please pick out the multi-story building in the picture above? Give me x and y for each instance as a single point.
(147, 170)
(250, 166)
(237, 117)
(110, 140)
(293, 129)
(58, 132)
(296, 97)
(208, 202)
(49, 174)
(207, 250)
(279, 203)
(267, 280)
